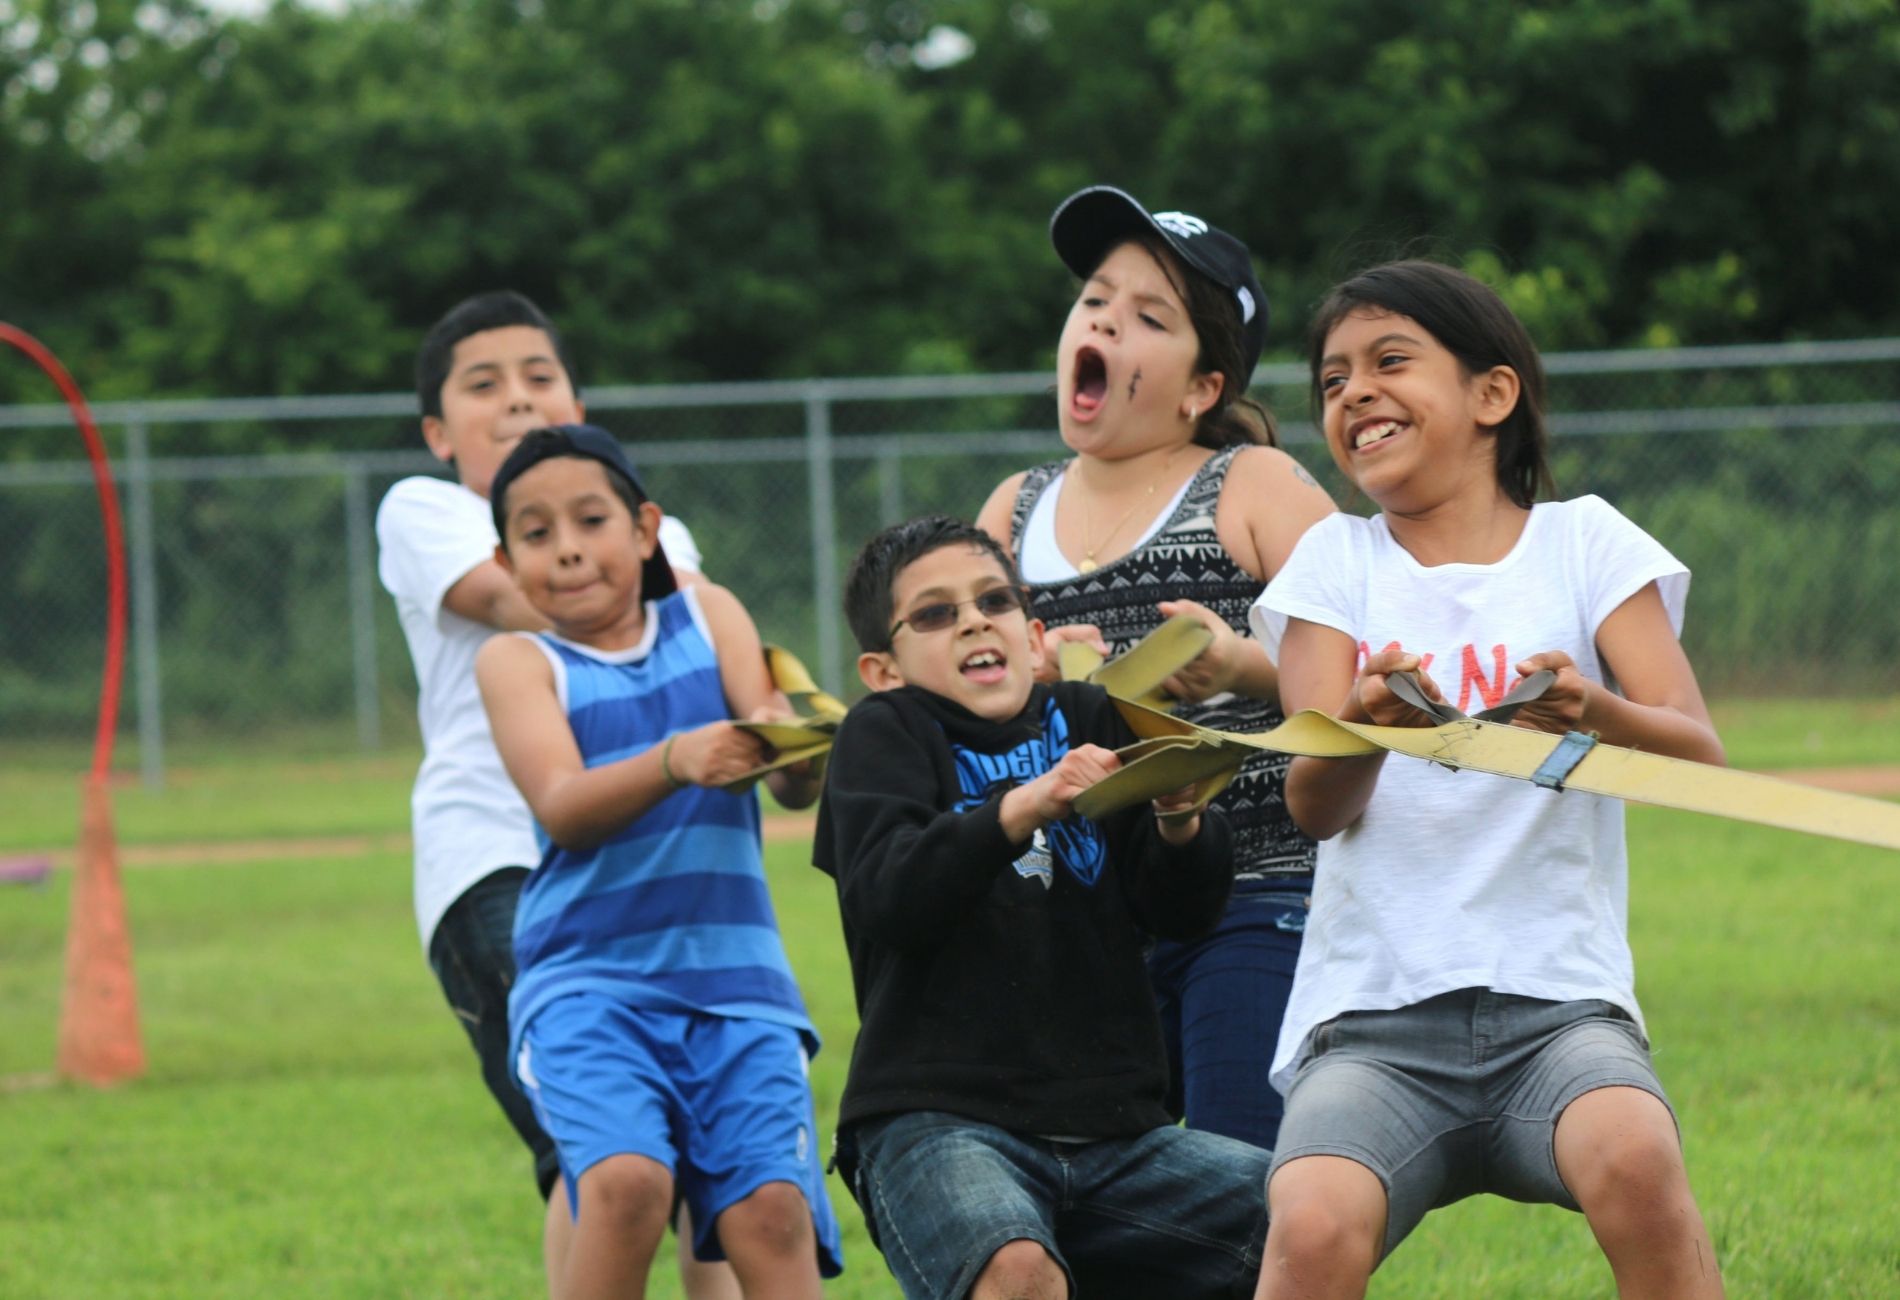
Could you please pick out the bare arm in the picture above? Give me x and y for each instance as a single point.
(993, 518)
(1661, 708)
(1326, 795)
(577, 805)
(487, 594)
(580, 806)
(1266, 505)
(750, 692)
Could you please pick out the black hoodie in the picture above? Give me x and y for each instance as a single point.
(992, 982)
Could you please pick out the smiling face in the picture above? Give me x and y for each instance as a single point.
(501, 383)
(986, 663)
(1403, 418)
(1125, 366)
(576, 550)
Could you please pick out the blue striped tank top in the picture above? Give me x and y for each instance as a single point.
(672, 913)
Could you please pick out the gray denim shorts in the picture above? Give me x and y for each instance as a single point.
(1458, 1094)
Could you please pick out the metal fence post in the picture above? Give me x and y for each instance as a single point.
(890, 483)
(824, 535)
(356, 525)
(138, 482)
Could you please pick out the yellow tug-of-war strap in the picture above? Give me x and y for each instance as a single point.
(807, 734)
(1173, 754)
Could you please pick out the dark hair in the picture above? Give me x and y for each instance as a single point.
(868, 587)
(538, 445)
(1465, 315)
(495, 310)
(1234, 418)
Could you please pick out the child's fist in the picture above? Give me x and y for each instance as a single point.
(1564, 702)
(1176, 818)
(712, 755)
(1375, 696)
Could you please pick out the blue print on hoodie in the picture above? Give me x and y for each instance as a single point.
(1075, 842)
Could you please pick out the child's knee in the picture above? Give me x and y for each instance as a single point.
(1020, 1268)
(632, 1191)
(1327, 1217)
(775, 1219)
(1618, 1151)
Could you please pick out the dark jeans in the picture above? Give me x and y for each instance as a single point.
(1221, 1000)
(473, 956)
(1167, 1213)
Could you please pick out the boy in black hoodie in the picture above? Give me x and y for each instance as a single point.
(1003, 1124)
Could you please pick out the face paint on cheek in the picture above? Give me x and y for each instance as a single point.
(1133, 384)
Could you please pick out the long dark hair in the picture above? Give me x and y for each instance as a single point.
(1465, 315)
(1235, 418)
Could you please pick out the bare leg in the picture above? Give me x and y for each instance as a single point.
(624, 1202)
(1618, 1153)
(1021, 1270)
(773, 1248)
(1325, 1227)
(702, 1279)
(557, 1237)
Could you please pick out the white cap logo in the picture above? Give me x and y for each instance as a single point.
(1246, 304)
(1180, 223)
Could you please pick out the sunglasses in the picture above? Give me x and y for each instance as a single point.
(994, 603)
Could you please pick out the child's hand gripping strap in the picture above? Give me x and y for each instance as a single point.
(807, 734)
(1483, 744)
(1137, 674)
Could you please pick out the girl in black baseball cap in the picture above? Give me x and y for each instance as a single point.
(1176, 500)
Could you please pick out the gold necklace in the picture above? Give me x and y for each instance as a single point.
(1087, 563)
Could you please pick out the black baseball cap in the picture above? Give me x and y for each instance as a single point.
(590, 442)
(1089, 223)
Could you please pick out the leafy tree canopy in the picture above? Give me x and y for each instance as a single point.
(706, 189)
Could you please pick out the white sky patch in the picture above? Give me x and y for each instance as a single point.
(942, 47)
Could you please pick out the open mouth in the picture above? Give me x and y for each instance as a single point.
(1090, 381)
(1375, 433)
(984, 666)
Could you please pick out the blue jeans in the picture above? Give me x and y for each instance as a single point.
(1168, 1213)
(473, 955)
(1221, 1000)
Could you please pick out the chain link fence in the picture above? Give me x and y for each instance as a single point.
(1773, 472)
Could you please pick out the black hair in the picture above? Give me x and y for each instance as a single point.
(868, 587)
(1468, 318)
(538, 445)
(497, 309)
(1235, 419)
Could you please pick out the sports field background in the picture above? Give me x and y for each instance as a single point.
(311, 1123)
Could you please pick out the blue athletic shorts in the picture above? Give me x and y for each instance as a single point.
(723, 1103)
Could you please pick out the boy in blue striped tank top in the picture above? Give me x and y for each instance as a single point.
(656, 1026)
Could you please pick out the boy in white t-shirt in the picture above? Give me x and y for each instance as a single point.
(490, 370)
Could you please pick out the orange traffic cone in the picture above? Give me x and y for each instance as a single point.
(99, 1020)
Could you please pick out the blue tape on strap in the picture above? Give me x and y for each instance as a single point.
(1562, 761)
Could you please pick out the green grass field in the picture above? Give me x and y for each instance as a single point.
(311, 1123)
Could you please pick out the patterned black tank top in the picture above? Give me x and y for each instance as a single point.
(1184, 560)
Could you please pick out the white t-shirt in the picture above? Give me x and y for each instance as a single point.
(468, 818)
(1451, 879)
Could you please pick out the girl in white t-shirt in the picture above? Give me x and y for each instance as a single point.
(1463, 1017)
